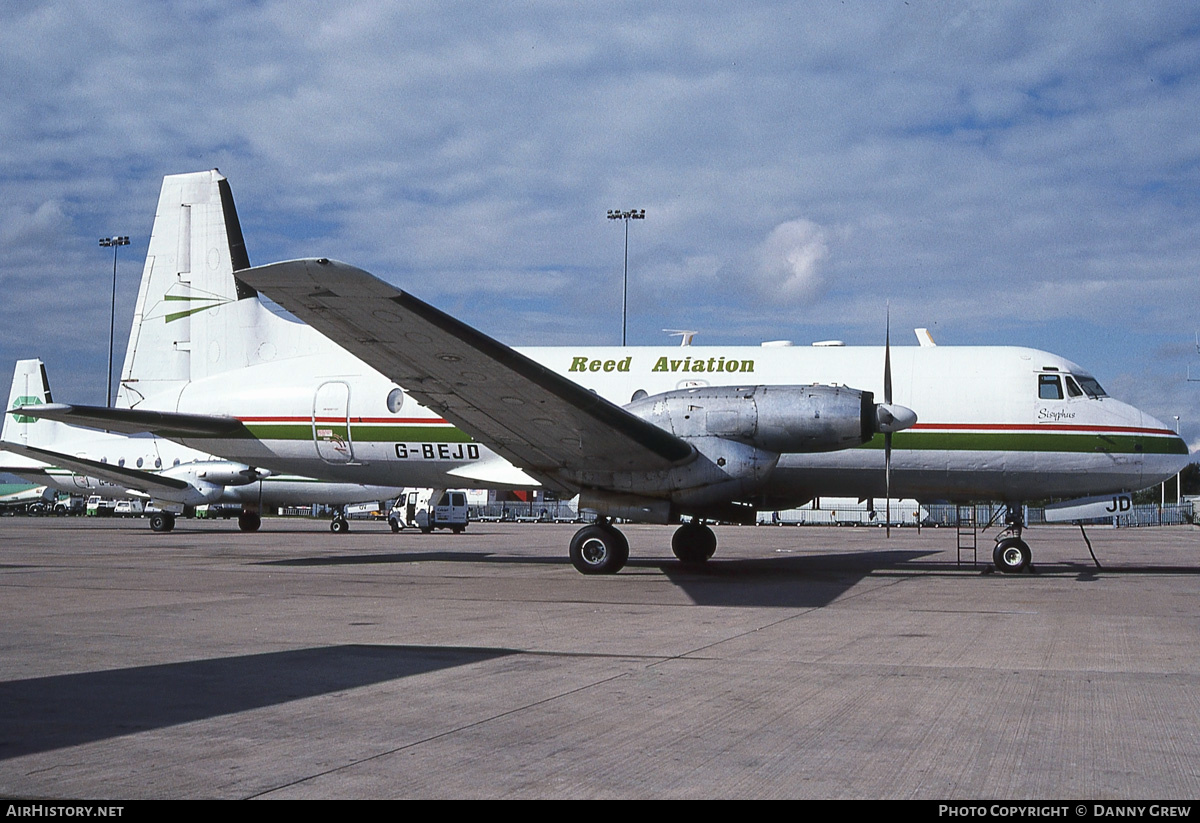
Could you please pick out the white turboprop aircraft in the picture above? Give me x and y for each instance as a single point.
(82, 460)
(26, 497)
(648, 433)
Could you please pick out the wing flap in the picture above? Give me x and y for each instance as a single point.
(534, 417)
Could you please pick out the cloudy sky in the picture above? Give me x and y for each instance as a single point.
(1002, 173)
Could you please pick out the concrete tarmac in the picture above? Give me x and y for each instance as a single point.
(799, 663)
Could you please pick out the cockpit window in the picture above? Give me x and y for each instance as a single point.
(1073, 389)
(1049, 387)
(1090, 386)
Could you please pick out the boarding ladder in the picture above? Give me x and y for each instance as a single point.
(968, 533)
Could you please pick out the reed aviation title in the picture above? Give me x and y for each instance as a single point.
(664, 364)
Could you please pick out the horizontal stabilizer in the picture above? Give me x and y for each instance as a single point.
(148, 482)
(136, 421)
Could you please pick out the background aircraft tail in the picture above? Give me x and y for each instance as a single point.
(30, 386)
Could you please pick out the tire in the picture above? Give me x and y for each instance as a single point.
(599, 550)
(339, 526)
(1011, 555)
(395, 524)
(249, 521)
(162, 522)
(693, 543)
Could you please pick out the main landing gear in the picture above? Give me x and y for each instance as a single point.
(249, 520)
(1012, 554)
(601, 549)
(162, 521)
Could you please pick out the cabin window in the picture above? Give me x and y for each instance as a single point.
(139, 462)
(1073, 389)
(395, 400)
(1049, 387)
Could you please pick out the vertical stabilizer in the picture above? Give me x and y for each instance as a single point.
(193, 319)
(187, 283)
(30, 387)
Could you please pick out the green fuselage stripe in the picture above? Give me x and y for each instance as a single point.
(1021, 441)
(1031, 442)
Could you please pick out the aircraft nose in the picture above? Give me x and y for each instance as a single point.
(892, 417)
(1174, 452)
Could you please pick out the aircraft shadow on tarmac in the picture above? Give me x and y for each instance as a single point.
(46, 713)
(808, 581)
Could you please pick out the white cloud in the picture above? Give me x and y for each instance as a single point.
(788, 264)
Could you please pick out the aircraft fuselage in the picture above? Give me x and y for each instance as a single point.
(994, 422)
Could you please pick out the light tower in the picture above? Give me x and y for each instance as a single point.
(116, 243)
(632, 214)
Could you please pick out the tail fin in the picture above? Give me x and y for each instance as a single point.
(29, 387)
(193, 319)
(195, 246)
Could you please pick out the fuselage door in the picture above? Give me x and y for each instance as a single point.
(331, 422)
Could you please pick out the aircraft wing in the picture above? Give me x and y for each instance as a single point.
(539, 420)
(136, 421)
(145, 481)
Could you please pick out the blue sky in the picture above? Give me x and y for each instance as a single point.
(1002, 173)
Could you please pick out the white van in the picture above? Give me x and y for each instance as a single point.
(414, 509)
(128, 508)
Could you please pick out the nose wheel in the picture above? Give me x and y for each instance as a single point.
(1012, 554)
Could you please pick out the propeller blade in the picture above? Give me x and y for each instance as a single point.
(891, 412)
(887, 481)
(887, 358)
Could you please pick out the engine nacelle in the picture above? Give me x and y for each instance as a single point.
(781, 419)
(217, 472)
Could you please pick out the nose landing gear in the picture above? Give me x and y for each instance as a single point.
(1012, 554)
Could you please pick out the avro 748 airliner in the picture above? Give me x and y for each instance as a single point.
(376, 386)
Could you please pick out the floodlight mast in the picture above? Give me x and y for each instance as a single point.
(116, 243)
(631, 214)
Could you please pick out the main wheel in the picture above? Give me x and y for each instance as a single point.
(249, 521)
(693, 543)
(339, 526)
(1011, 555)
(162, 522)
(599, 550)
